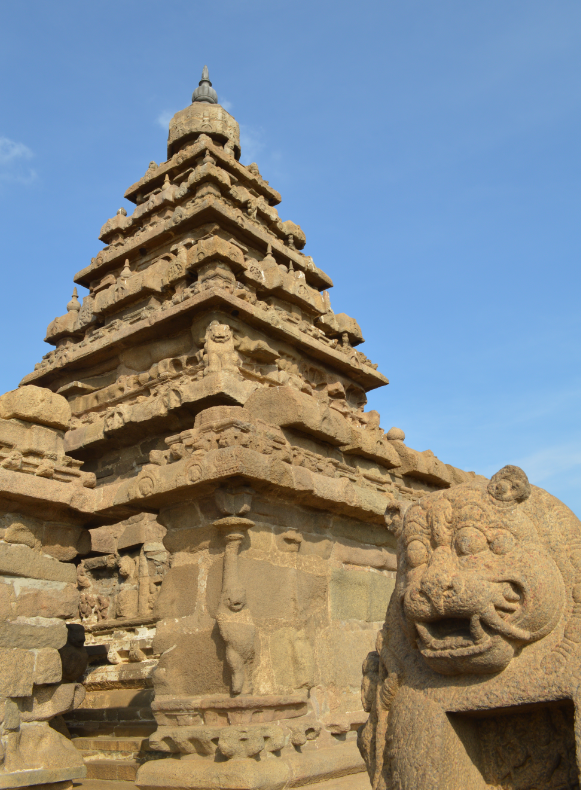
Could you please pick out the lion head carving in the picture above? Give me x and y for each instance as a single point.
(219, 333)
(478, 581)
(484, 623)
(220, 348)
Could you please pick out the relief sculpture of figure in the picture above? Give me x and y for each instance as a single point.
(233, 616)
(475, 680)
(219, 349)
(239, 633)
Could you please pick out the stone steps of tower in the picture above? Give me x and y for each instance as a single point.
(112, 764)
(112, 770)
(357, 781)
(116, 744)
(103, 784)
(112, 759)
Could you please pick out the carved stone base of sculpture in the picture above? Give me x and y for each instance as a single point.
(250, 742)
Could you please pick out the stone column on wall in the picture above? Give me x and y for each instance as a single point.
(143, 603)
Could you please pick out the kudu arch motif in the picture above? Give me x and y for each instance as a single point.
(484, 623)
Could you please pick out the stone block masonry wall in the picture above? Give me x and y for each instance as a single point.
(40, 533)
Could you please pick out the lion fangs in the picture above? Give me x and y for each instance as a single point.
(476, 629)
(449, 642)
(425, 636)
(496, 622)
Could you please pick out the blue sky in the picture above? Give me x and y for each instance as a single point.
(430, 152)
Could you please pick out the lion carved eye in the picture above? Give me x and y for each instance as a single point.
(470, 541)
(502, 543)
(417, 553)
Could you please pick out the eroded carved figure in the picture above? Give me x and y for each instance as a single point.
(220, 353)
(233, 616)
(481, 637)
(239, 633)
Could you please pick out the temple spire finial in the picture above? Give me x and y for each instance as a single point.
(74, 305)
(204, 92)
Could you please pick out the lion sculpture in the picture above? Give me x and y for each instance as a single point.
(476, 679)
(219, 349)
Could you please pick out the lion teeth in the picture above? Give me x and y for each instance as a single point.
(445, 643)
(476, 628)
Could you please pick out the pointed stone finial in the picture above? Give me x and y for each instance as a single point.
(126, 272)
(122, 212)
(74, 304)
(269, 256)
(204, 92)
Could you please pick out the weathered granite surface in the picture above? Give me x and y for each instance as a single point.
(475, 679)
(41, 532)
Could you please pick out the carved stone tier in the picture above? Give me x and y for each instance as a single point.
(207, 210)
(220, 711)
(268, 741)
(230, 441)
(107, 341)
(155, 177)
(264, 771)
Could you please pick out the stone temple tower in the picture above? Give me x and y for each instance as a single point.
(232, 559)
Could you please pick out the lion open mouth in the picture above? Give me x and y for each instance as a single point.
(453, 637)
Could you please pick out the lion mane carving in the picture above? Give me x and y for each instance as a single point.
(477, 673)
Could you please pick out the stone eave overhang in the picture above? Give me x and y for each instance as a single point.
(54, 500)
(164, 322)
(180, 161)
(156, 487)
(208, 209)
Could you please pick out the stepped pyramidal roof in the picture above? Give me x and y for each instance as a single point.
(192, 478)
(200, 297)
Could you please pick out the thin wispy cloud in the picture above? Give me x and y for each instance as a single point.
(11, 151)
(552, 461)
(227, 105)
(13, 159)
(251, 142)
(164, 118)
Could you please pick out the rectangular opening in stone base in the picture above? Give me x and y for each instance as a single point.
(531, 747)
